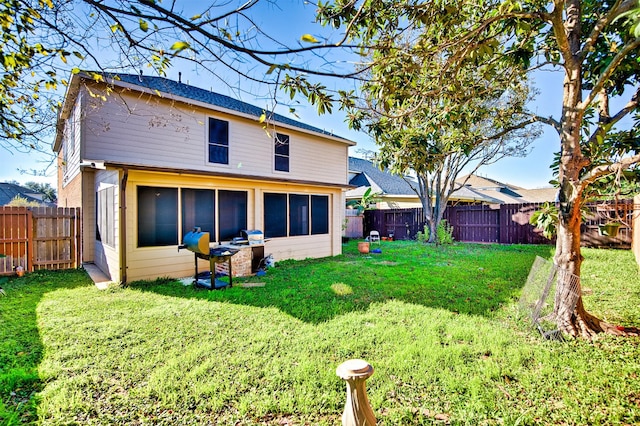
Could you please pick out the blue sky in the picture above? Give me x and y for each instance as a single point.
(288, 21)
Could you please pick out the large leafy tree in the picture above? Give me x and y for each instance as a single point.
(43, 41)
(595, 43)
(439, 131)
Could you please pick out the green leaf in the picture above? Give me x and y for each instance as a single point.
(309, 39)
(144, 25)
(179, 46)
(272, 68)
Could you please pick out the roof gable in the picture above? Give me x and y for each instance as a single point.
(388, 183)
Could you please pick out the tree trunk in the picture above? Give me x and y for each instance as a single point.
(571, 316)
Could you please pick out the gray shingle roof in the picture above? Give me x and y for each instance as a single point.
(9, 191)
(165, 85)
(390, 184)
(396, 185)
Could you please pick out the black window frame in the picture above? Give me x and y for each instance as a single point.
(281, 152)
(159, 228)
(198, 210)
(294, 214)
(233, 207)
(319, 214)
(275, 206)
(218, 141)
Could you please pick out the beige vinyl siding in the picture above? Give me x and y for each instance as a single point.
(105, 257)
(147, 130)
(72, 142)
(153, 262)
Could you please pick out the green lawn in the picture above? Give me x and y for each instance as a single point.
(439, 325)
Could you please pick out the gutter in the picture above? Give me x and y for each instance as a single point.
(123, 226)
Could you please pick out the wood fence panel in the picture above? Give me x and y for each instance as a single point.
(515, 227)
(56, 234)
(474, 223)
(15, 239)
(353, 224)
(403, 224)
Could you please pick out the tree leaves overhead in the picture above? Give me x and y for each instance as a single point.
(45, 41)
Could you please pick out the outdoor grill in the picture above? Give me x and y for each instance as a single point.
(197, 242)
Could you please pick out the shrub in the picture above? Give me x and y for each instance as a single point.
(444, 233)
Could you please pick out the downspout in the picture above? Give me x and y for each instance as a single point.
(123, 226)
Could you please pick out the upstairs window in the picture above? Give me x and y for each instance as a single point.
(218, 141)
(281, 150)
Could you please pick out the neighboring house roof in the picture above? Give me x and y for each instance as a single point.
(480, 182)
(367, 174)
(9, 191)
(477, 188)
(386, 183)
(540, 195)
(505, 193)
(165, 87)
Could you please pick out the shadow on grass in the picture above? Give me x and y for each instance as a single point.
(472, 279)
(20, 343)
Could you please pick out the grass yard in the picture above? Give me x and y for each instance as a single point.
(439, 325)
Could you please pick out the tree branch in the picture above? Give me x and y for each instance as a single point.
(607, 169)
(608, 72)
(620, 7)
(610, 121)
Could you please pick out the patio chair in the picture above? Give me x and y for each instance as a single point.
(374, 236)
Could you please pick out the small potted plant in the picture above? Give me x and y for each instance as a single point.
(609, 229)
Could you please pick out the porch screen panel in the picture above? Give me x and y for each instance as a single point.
(298, 214)
(198, 210)
(157, 216)
(319, 214)
(275, 215)
(105, 215)
(232, 218)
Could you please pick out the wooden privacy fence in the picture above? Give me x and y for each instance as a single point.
(506, 223)
(352, 226)
(39, 238)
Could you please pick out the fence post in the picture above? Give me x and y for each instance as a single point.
(357, 410)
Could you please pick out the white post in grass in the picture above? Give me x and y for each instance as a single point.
(357, 410)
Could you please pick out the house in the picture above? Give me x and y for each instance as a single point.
(505, 193)
(9, 191)
(148, 159)
(395, 192)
